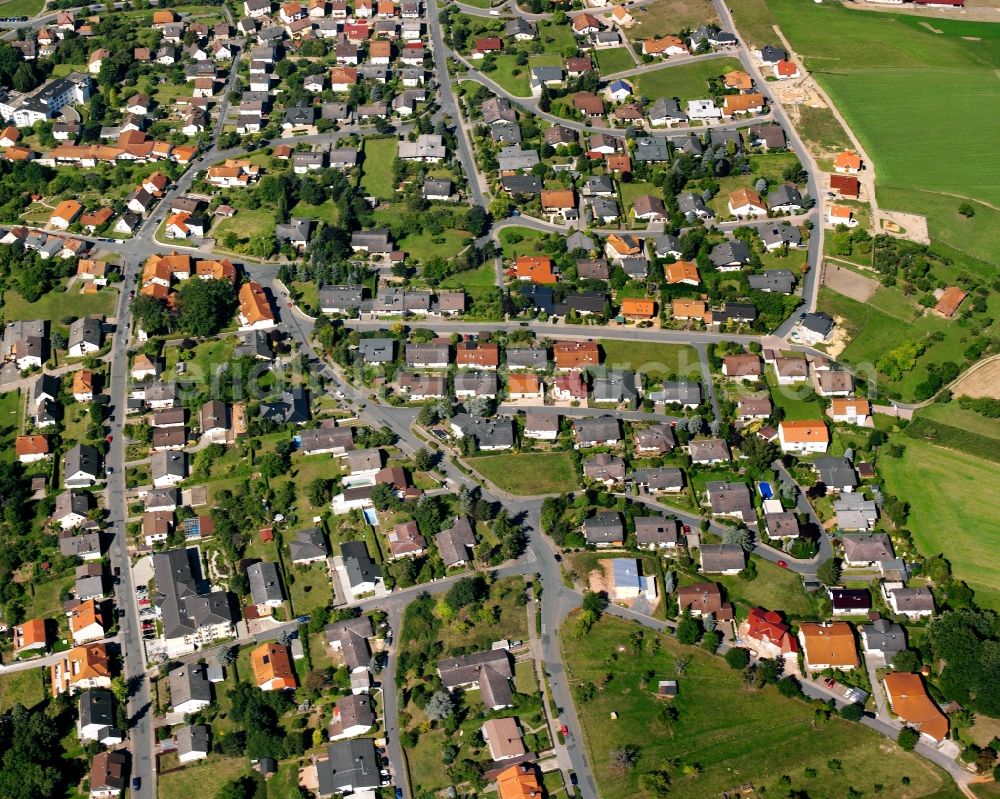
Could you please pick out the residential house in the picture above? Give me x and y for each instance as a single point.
(828, 645)
(803, 436)
(272, 667)
(722, 559)
(604, 530)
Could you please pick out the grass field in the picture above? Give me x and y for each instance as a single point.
(311, 589)
(873, 331)
(528, 473)
(616, 59)
(246, 223)
(791, 398)
(21, 8)
(686, 81)
(650, 357)
(947, 515)
(376, 169)
(526, 239)
(820, 126)
(510, 76)
(21, 688)
(57, 304)
(203, 778)
(475, 282)
(889, 72)
(663, 17)
(724, 728)
(774, 588)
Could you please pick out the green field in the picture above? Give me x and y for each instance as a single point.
(21, 8)
(947, 514)
(774, 588)
(685, 81)
(376, 169)
(890, 73)
(57, 304)
(528, 473)
(616, 59)
(21, 688)
(203, 778)
(510, 76)
(651, 358)
(793, 398)
(475, 282)
(526, 239)
(735, 735)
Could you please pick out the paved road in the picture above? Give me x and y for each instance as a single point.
(140, 733)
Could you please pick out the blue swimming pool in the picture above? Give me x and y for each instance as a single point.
(371, 517)
(765, 490)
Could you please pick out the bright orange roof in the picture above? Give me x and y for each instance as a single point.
(380, 48)
(97, 218)
(18, 153)
(83, 615)
(156, 290)
(520, 383)
(67, 210)
(829, 644)
(83, 381)
(847, 160)
(558, 198)
(618, 162)
(910, 702)
(220, 270)
(633, 306)
(804, 431)
(738, 80)
(536, 268)
(10, 133)
(518, 782)
(682, 271)
(163, 17)
(31, 445)
(839, 406)
(347, 75)
(689, 308)
(786, 68)
(179, 220)
(254, 305)
(31, 632)
(840, 212)
(742, 102)
(272, 665)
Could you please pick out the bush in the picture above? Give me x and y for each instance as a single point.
(737, 657)
(852, 712)
(908, 738)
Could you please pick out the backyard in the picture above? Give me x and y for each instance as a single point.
(615, 59)
(647, 357)
(774, 588)
(944, 488)
(376, 169)
(722, 726)
(58, 303)
(686, 81)
(528, 473)
(21, 688)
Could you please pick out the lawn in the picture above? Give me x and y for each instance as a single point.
(793, 398)
(630, 191)
(947, 514)
(21, 688)
(203, 778)
(57, 304)
(376, 169)
(21, 8)
(518, 241)
(723, 727)
(529, 473)
(424, 245)
(650, 357)
(208, 357)
(10, 423)
(45, 598)
(245, 223)
(556, 38)
(326, 212)
(870, 64)
(820, 127)
(774, 588)
(309, 588)
(510, 76)
(663, 17)
(685, 81)
(475, 282)
(616, 59)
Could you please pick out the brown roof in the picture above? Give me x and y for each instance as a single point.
(568, 354)
(31, 445)
(254, 305)
(829, 644)
(951, 298)
(558, 198)
(845, 185)
(911, 703)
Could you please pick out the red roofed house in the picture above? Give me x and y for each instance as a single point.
(950, 300)
(535, 268)
(490, 44)
(845, 186)
(767, 636)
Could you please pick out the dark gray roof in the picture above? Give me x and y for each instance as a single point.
(885, 636)
(455, 543)
(785, 194)
(308, 544)
(682, 392)
(349, 766)
(189, 682)
(345, 297)
(358, 563)
(781, 281)
(192, 738)
(604, 528)
(836, 472)
(352, 635)
(265, 585)
(183, 609)
(659, 478)
(730, 252)
(521, 184)
(97, 707)
(377, 350)
(722, 557)
(601, 428)
(730, 499)
(467, 669)
(528, 357)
